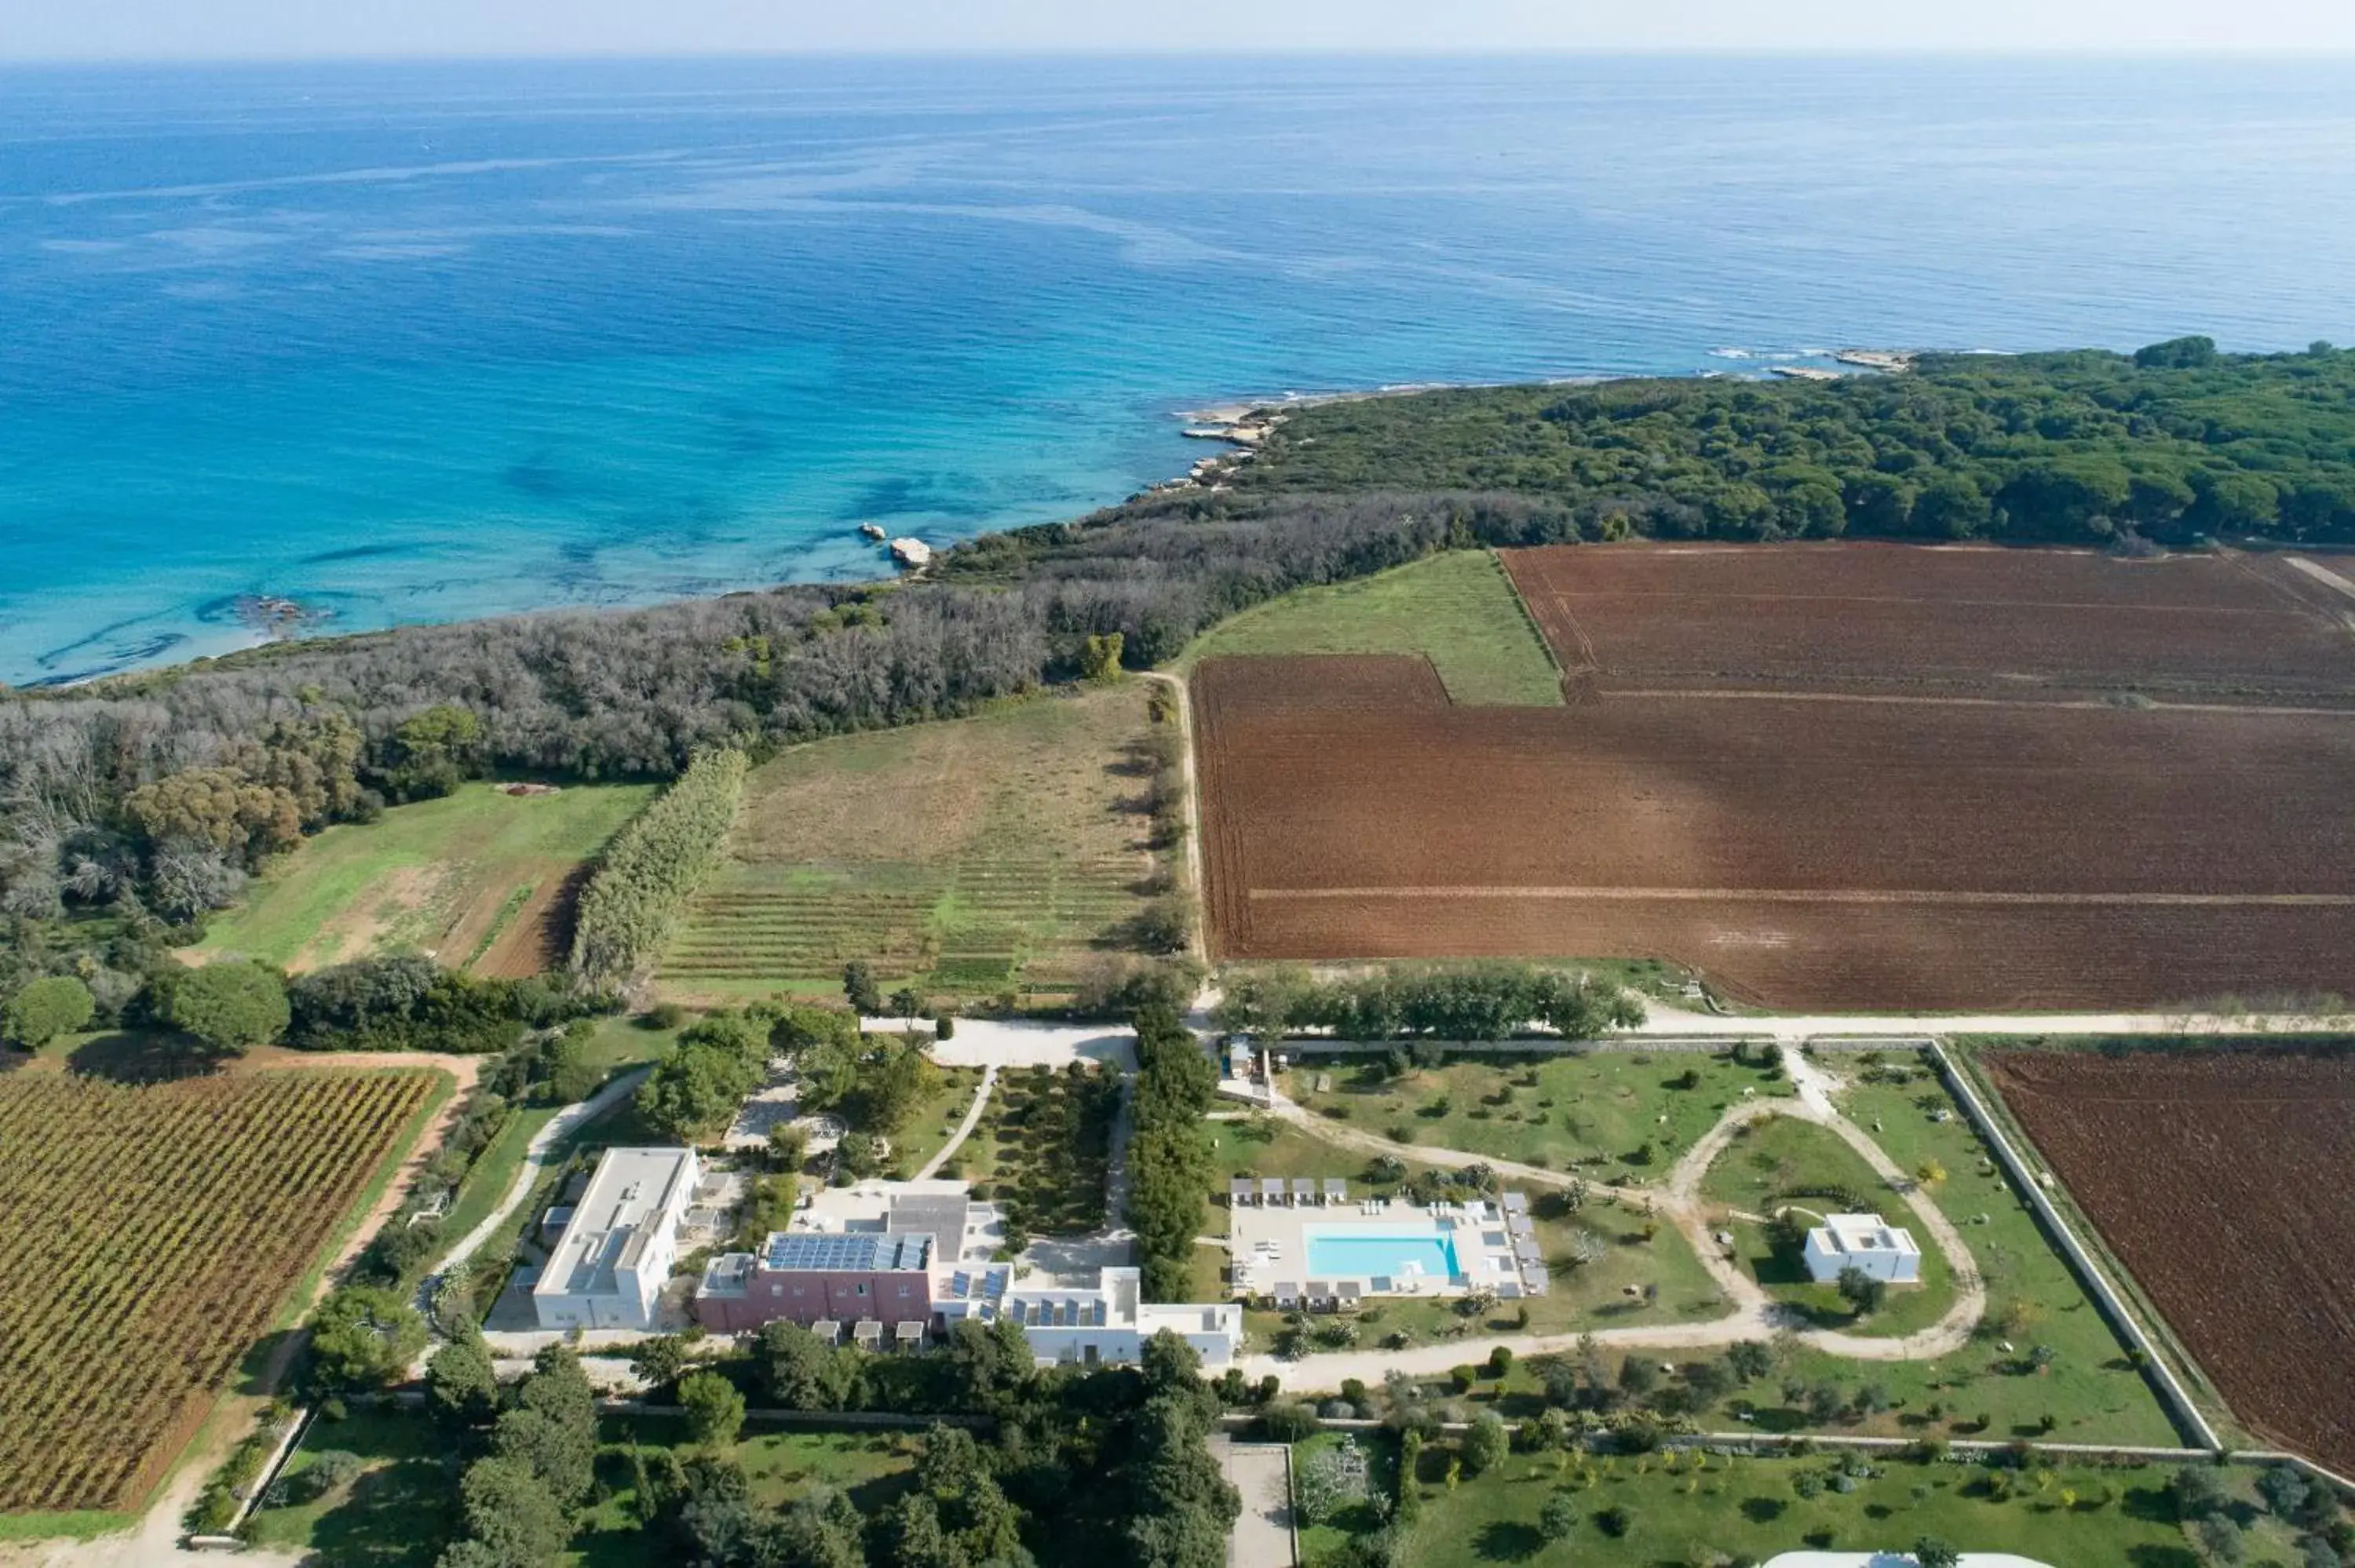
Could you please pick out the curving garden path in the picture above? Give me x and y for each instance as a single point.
(964, 1129)
(1754, 1314)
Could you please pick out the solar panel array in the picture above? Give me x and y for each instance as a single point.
(836, 1252)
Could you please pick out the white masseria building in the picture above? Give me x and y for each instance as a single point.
(1105, 1324)
(618, 1248)
(1862, 1242)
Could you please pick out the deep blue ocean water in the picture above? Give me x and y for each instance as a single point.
(421, 341)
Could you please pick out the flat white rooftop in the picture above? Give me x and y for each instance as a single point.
(1864, 1233)
(608, 1227)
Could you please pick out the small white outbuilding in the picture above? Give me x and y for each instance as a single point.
(1864, 1242)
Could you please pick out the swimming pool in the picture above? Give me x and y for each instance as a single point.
(1354, 1254)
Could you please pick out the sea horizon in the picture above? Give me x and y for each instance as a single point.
(403, 342)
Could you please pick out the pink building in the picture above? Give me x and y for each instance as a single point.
(809, 1277)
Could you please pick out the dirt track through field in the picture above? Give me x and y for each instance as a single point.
(1926, 813)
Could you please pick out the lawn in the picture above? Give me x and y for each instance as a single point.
(470, 879)
(1786, 1161)
(2033, 1298)
(1458, 610)
(1648, 1510)
(929, 1125)
(868, 1465)
(1617, 1117)
(2090, 1392)
(1592, 1295)
(399, 1509)
(981, 858)
(1044, 1146)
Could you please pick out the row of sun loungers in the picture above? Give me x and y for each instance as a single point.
(1273, 1192)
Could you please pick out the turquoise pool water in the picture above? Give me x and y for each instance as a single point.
(1361, 1254)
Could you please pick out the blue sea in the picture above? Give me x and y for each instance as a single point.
(416, 342)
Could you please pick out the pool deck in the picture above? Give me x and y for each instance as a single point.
(1270, 1246)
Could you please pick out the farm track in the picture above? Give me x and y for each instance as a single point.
(2119, 790)
(2221, 1180)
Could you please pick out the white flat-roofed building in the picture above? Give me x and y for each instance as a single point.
(1105, 1324)
(618, 1248)
(1862, 1242)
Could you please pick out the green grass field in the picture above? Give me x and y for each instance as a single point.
(400, 1509)
(1457, 610)
(455, 877)
(2091, 1391)
(977, 858)
(1783, 1161)
(928, 1126)
(1674, 1512)
(1615, 1114)
(2033, 1298)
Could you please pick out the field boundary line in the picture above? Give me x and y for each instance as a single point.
(1591, 665)
(2322, 574)
(1895, 699)
(2188, 1414)
(1817, 895)
(1198, 937)
(1917, 601)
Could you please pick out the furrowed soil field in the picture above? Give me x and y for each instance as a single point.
(2224, 1179)
(975, 856)
(1909, 620)
(148, 1233)
(2013, 832)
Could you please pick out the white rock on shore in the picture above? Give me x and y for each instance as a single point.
(911, 553)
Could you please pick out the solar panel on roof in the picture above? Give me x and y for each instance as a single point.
(839, 1252)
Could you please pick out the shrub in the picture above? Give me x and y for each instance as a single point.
(45, 1008)
(1486, 1445)
(228, 1007)
(1287, 1421)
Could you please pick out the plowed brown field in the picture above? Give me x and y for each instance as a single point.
(1915, 619)
(2225, 1181)
(1836, 828)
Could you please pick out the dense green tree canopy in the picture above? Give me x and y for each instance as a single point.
(363, 1337)
(229, 1007)
(2079, 448)
(45, 1008)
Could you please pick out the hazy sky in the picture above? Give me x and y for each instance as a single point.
(165, 29)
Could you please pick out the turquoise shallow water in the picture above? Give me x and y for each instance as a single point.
(1357, 1254)
(411, 343)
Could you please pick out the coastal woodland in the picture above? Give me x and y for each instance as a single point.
(131, 807)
